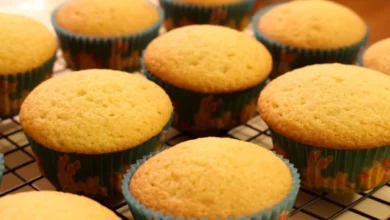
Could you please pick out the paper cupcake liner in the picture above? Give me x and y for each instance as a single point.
(234, 15)
(209, 114)
(164, 134)
(118, 53)
(287, 58)
(94, 175)
(1, 166)
(14, 88)
(336, 170)
(279, 211)
(360, 58)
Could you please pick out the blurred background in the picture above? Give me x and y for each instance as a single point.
(375, 12)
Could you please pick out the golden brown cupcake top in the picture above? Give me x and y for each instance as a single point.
(209, 2)
(25, 44)
(330, 105)
(95, 111)
(104, 18)
(313, 25)
(52, 205)
(208, 59)
(212, 178)
(377, 56)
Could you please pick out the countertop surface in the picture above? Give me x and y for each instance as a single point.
(22, 173)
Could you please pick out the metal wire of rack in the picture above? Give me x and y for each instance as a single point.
(22, 174)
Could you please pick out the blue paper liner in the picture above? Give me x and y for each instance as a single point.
(2, 167)
(336, 170)
(209, 114)
(360, 57)
(14, 88)
(117, 53)
(234, 15)
(287, 58)
(97, 176)
(140, 212)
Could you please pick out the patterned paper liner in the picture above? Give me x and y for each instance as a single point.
(209, 114)
(280, 211)
(234, 15)
(287, 58)
(336, 170)
(94, 175)
(164, 134)
(14, 88)
(118, 53)
(1, 166)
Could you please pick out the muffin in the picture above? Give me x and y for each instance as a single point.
(24, 60)
(331, 121)
(300, 33)
(213, 75)
(231, 13)
(106, 34)
(212, 178)
(86, 128)
(377, 56)
(1, 166)
(52, 205)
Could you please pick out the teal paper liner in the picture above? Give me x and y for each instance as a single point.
(97, 176)
(287, 58)
(336, 170)
(118, 53)
(209, 114)
(234, 15)
(1, 166)
(140, 212)
(360, 58)
(14, 88)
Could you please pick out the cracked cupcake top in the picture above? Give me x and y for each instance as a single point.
(25, 44)
(103, 18)
(95, 111)
(212, 178)
(208, 59)
(313, 25)
(52, 205)
(330, 105)
(377, 56)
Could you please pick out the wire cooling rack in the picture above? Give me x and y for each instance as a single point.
(22, 174)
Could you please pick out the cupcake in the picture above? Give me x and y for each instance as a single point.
(300, 33)
(1, 166)
(27, 56)
(52, 205)
(332, 122)
(213, 75)
(106, 34)
(377, 56)
(86, 128)
(212, 178)
(231, 13)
